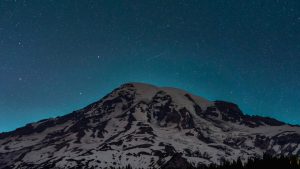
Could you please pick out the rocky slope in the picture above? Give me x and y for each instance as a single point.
(147, 127)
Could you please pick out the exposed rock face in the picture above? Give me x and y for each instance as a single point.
(150, 127)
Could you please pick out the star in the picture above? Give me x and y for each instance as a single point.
(234, 62)
(20, 44)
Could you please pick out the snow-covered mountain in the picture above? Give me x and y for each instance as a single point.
(147, 127)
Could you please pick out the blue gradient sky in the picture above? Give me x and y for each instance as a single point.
(58, 56)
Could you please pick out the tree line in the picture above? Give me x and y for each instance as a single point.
(266, 162)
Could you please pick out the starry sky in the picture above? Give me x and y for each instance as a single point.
(57, 56)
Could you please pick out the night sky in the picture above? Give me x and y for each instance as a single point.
(59, 56)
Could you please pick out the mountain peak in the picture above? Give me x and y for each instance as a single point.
(178, 95)
(138, 85)
(145, 125)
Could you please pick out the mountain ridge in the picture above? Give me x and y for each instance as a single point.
(147, 126)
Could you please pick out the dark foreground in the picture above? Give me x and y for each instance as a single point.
(266, 162)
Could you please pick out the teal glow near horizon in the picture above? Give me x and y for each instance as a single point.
(59, 56)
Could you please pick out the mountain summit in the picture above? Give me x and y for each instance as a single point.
(147, 127)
